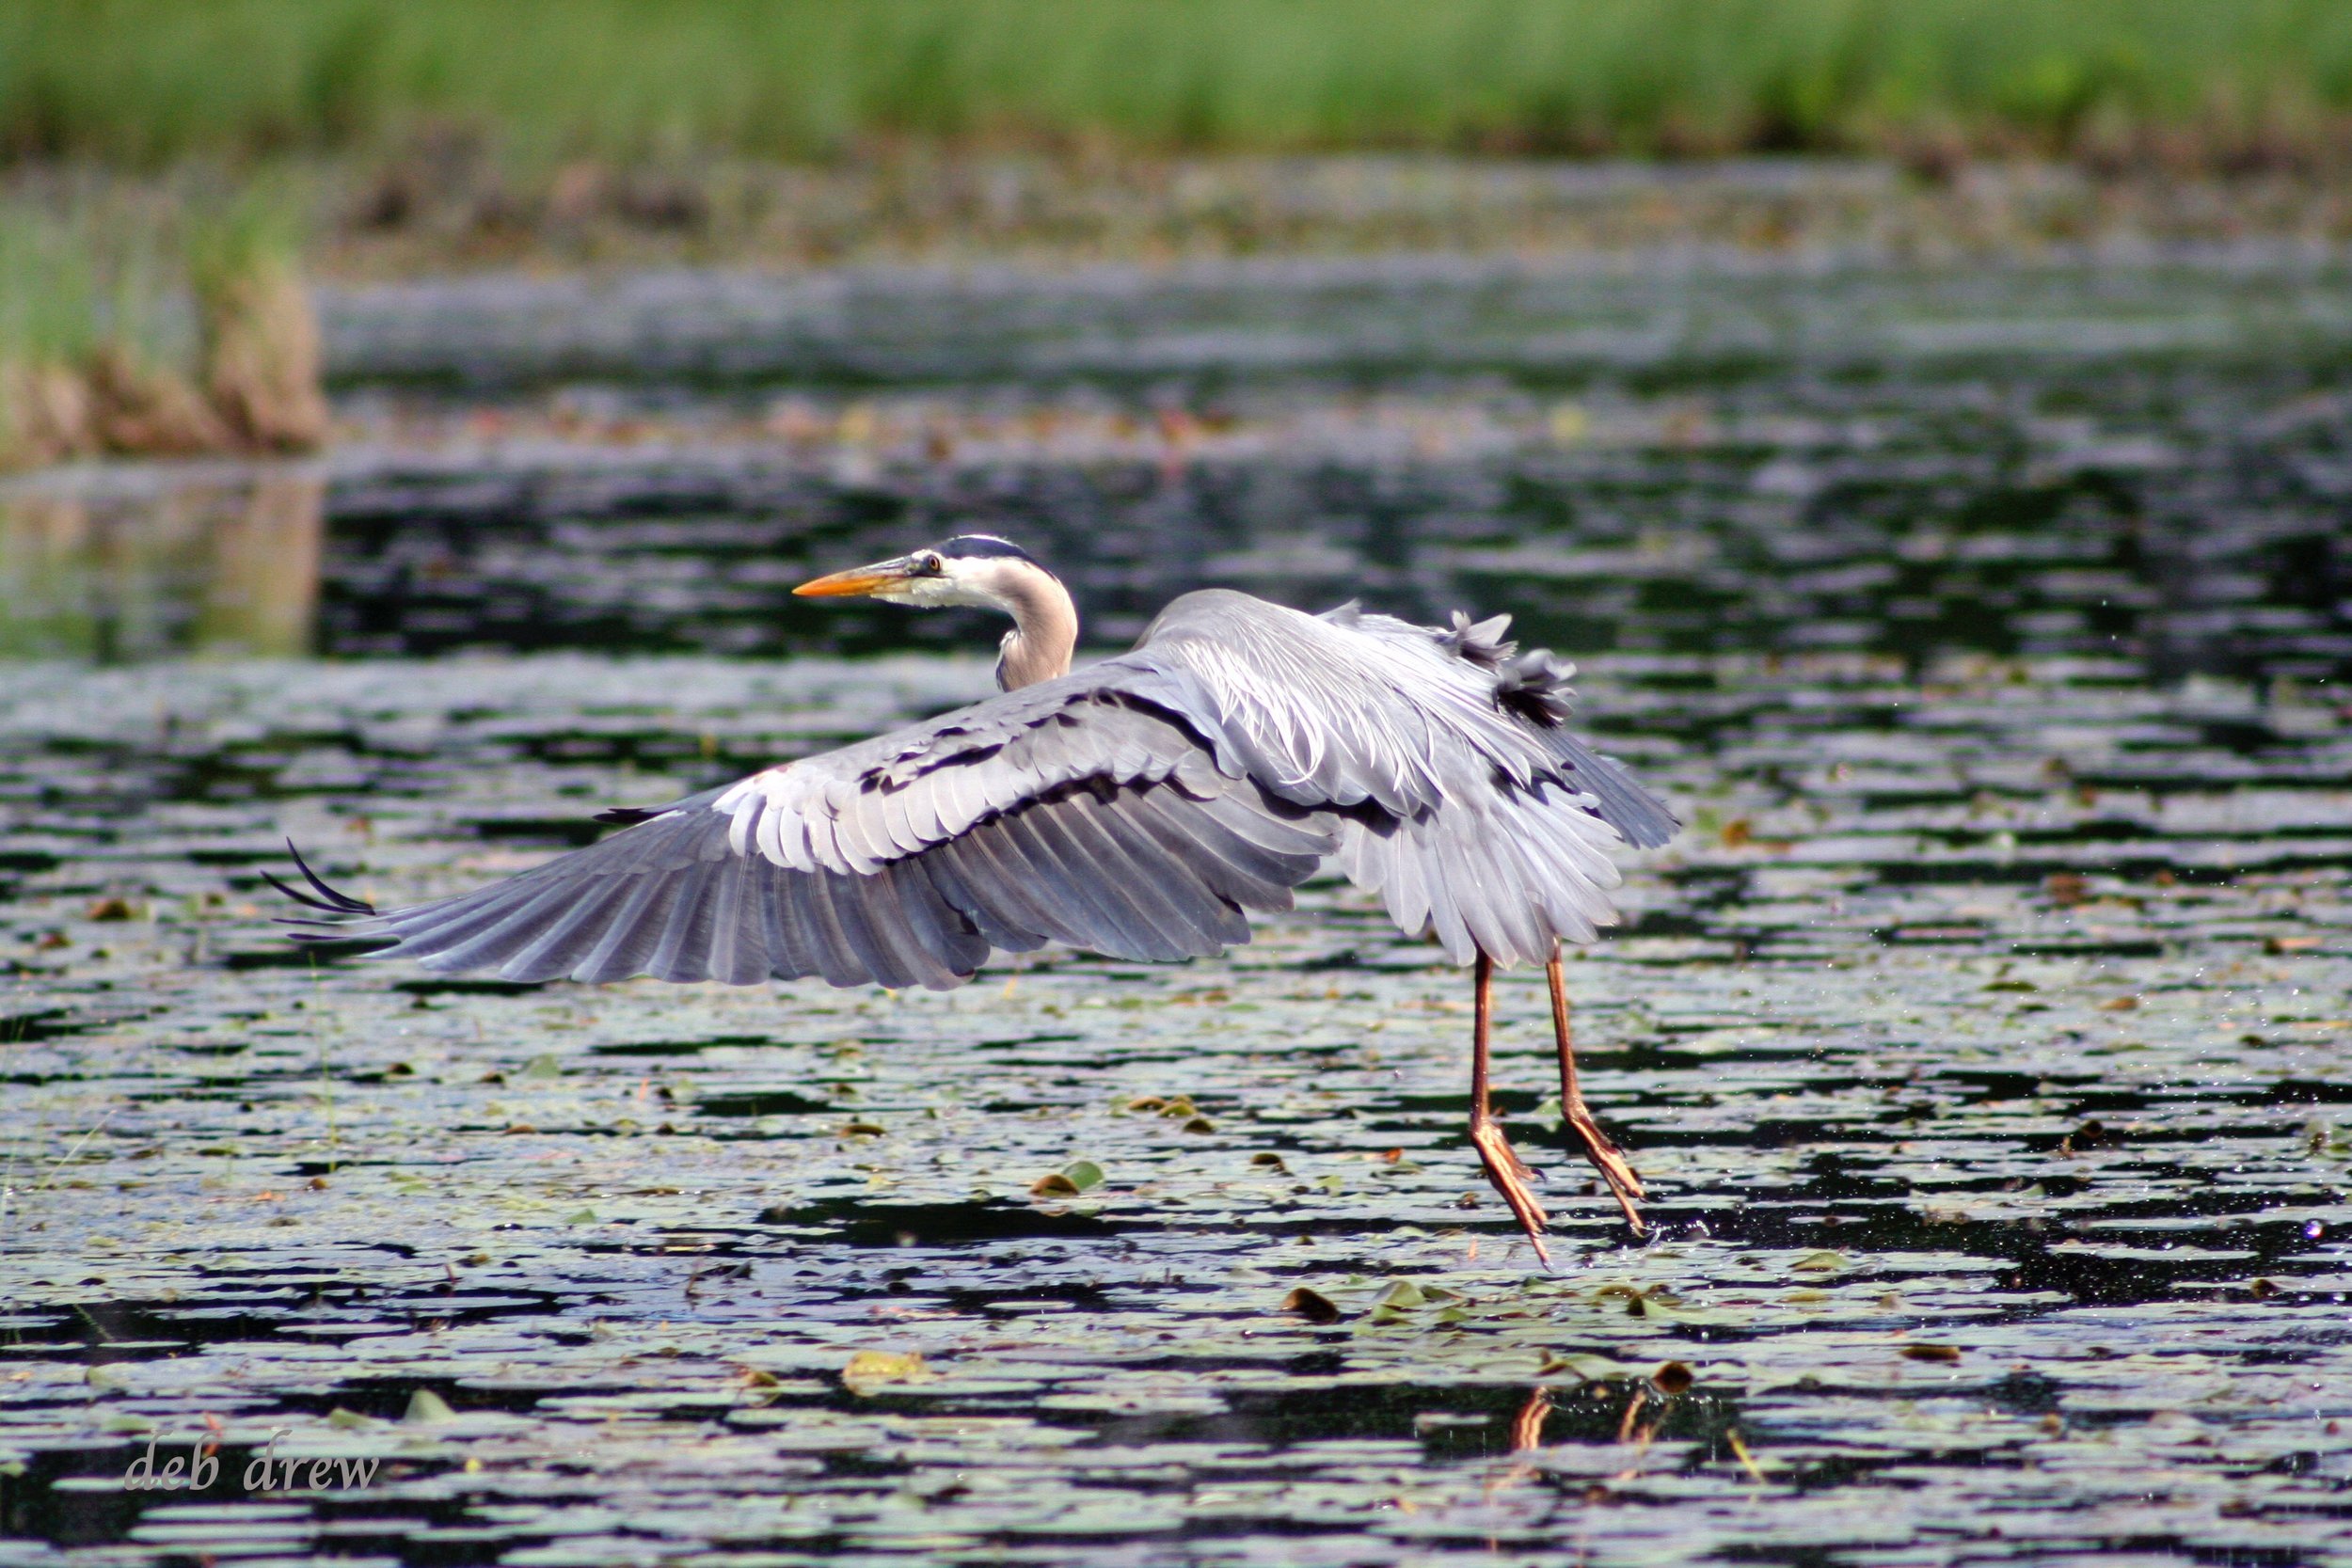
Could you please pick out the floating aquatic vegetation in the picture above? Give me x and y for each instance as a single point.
(1947, 1241)
(1907, 1225)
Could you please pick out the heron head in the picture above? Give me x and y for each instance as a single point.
(970, 569)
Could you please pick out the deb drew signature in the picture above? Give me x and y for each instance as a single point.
(263, 1472)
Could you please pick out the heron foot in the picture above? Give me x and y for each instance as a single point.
(1512, 1178)
(1625, 1183)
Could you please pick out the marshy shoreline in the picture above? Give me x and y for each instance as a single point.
(178, 314)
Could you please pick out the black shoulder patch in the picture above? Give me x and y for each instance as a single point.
(979, 547)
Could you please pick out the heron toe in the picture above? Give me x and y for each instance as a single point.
(1512, 1179)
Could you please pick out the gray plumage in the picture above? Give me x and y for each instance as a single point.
(1137, 807)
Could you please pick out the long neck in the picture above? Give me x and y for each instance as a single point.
(1044, 632)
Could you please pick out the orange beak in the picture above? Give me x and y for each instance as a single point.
(843, 585)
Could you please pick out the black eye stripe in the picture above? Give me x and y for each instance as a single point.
(982, 546)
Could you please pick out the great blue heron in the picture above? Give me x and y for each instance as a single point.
(1136, 807)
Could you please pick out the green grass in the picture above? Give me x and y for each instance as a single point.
(76, 274)
(144, 81)
(100, 263)
(123, 293)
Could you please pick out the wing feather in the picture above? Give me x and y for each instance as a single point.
(738, 937)
(569, 940)
(921, 935)
(976, 876)
(783, 913)
(486, 931)
(829, 952)
(634, 928)
(1141, 904)
(683, 952)
(837, 957)
(1109, 925)
(1178, 905)
(950, 936)
(1236, 870)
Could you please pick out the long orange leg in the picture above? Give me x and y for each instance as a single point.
(1624, 1185)
(1504, 1167)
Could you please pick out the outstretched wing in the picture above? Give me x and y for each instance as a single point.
(1135, 807)
(1075, 810)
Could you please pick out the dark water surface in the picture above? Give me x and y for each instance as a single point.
(1982, 1039)
(2149, 462)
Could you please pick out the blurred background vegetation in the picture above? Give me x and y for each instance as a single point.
(170, 169)
(134, 320)
(145, 81)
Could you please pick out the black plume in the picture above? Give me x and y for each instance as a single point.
(1535, 687)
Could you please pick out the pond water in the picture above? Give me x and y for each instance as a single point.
(1983, 1039)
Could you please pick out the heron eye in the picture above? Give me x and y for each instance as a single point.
(931, 565)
